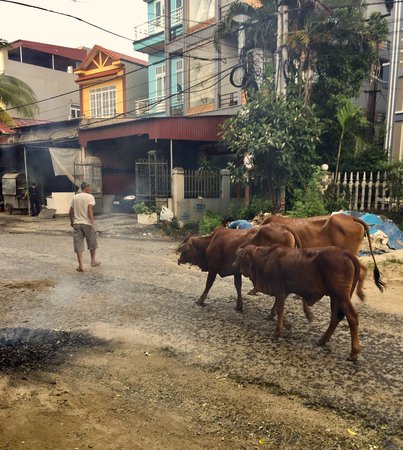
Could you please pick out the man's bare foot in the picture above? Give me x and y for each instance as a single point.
(95, 264)
(80, 269)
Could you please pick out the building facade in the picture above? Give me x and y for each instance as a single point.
(48, 70)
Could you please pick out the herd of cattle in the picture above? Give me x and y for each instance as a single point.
(310, 257)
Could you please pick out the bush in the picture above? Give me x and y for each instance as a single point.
(310, 202)
(257, 205)
(142, 208)
(191, 226)
(209, 222)
(169, 227)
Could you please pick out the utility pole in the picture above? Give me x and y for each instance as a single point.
(393, 78)
(282, 53)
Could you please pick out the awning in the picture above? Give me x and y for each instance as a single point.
(176, 128)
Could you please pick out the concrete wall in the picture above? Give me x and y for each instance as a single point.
(193, 209)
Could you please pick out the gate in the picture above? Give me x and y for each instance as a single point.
(153, 179)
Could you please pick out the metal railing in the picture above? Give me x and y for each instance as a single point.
(230, 99)
(157, 25)
(202, 183)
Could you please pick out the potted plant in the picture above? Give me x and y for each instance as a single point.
(145, 214)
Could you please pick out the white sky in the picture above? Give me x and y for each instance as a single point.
(118, 16)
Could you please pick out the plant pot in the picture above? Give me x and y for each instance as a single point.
(147, 219)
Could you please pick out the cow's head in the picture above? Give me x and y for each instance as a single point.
(192, 252)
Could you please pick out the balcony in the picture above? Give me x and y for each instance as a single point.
(229, 100)
(149, 37)
(148, 106)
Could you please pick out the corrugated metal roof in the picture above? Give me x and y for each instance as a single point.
(176, 128)
(78, 54)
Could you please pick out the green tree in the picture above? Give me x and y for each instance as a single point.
(14, 93)
(280, 136)
(352, 123)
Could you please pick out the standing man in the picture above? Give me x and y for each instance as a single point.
(82, 221)
(34, 199)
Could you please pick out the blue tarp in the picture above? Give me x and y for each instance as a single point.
(375, 223)
(392, 231)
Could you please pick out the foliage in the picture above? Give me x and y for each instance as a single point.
(169, 227)
(142, 208)
(209, 222)
(351, 123)
(257, 205)
(191, 226)
(395, 177)
(309, 202)
(279, 135)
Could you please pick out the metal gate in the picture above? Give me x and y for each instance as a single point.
(153, 179)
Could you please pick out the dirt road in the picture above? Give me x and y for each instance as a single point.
(120, 357)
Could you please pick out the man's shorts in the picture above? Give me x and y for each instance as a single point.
(81, 232)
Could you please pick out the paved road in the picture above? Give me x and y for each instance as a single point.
(140, 286)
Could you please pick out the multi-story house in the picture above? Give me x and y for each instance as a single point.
(187, 74)
(48, 70)
(109, 84)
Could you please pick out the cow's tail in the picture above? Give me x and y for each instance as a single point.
(357, 271)
(377, 274)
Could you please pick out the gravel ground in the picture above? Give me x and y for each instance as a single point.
(120, 357)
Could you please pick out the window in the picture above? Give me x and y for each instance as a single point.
(179, 80)
(160, 86)
(74, 111)
(103, 102)
(158, 13)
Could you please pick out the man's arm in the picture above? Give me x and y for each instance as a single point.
(71, 214)
(91, 215)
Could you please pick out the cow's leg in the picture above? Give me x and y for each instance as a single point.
(352, 319)
(210, 280)
(279, 304)
(252, 292)
(360, 284)
(272, 313)
(335, 316)
(238, 286)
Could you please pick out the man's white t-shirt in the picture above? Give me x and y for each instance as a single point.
(80, 204)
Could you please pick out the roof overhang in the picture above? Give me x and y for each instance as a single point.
(176, 128)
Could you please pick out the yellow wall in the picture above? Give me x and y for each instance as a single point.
(85, 100)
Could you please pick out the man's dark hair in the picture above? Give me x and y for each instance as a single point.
(84, 185)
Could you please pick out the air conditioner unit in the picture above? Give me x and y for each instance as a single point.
(70, 69)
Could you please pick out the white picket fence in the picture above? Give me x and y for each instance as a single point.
(367, 191)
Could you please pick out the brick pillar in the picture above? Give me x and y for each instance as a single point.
(178, 188)
(225, 187)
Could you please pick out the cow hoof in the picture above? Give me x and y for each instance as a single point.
(352, 357)
(310, 317)
(199, 303)
(252, 292)
(238, 309)
(321, 343)
(287, 326)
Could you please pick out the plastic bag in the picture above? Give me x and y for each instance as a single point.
(166, 214)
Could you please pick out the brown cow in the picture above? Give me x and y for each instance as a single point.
(340, 230)
(215, 253)
(310, 273)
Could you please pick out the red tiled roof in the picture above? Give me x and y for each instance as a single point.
(198, 128)
(114, 55)
(78, 54)
(4, 129)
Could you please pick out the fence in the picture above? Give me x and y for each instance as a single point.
(202, 183)
(367, 191)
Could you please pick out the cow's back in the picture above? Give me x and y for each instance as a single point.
(339, 230)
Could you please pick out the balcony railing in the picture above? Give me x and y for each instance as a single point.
(153, 105)
(153, 26)
(227, 100)
(157, 25)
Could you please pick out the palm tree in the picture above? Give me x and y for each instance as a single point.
(15, 93)
(352, 123)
